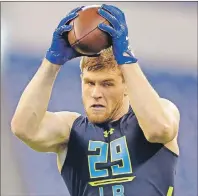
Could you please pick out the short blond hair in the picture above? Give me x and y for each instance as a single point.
(105, 60)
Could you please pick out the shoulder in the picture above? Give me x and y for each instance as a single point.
(172, 112)
(68, 117)
(76, 122)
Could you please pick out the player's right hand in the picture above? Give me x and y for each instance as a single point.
(60, 50)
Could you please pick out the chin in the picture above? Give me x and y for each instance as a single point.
(97, 118)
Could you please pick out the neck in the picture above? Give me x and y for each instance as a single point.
(122, 110)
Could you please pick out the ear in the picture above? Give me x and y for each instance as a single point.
(81, 76)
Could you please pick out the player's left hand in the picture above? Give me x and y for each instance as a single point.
(118, 32)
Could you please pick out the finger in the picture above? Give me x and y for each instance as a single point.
(77, 9)
(114, 22)
(67, 19)
(63, 29)
(113, 10)
(107, 29)
(73, 14)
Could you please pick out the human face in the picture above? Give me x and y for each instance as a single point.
(103, 94)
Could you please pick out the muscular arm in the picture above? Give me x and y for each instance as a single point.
(41, 130)
(158, 118)
(32, 123)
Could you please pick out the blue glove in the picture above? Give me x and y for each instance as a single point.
(60, 50)
(119, 33)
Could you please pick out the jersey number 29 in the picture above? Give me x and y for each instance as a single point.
(118, 152)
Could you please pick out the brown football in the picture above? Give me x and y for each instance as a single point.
(85, 36)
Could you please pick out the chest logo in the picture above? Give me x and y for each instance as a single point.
(110, 132)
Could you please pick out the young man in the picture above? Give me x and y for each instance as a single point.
(127, 144)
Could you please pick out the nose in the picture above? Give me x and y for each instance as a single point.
(96, 92)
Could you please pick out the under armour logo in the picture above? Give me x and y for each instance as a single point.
(110, 132)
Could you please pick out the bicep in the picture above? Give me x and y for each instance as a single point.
(53, 132)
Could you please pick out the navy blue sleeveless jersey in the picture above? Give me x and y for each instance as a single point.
(115, 159)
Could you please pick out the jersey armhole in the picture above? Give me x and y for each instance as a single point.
(81, 117)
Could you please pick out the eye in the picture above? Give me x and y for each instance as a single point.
(107, 84)
(91, 83)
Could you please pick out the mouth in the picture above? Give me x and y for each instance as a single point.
(95, 106)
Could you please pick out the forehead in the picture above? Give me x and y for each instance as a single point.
(104, 74)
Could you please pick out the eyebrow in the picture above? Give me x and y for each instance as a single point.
(106, 80)
(109, 80)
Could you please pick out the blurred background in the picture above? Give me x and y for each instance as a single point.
(163, 35)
